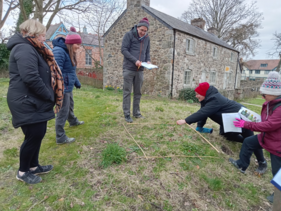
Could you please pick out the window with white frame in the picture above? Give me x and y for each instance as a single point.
(231, 57)
(229, 77)
(213, 76)
(215, 52)
(187, 78)
(88, 56)
(190, 46)
(266, 71)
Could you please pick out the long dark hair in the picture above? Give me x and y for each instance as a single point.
(72, 54)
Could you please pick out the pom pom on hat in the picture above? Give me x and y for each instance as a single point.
(72, 29)
(72, 37)
(202, 88)
(272, 85)
(144, 22)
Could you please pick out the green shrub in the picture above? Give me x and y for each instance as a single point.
(188, 94)
(113, 153)
(159, 109)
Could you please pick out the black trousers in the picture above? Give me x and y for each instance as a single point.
(251, 145)
(238, 137)
(29, 151)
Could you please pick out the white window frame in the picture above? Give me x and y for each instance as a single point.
(187, 82)
(88, 58)
(190, 46)
(215, 52)
(213, 77)
(232, 57)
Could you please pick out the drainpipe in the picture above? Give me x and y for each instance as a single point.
(173, 64)
(236, 71)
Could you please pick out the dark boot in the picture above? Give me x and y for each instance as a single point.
(270, 198)
(262, 167)
(128, 119)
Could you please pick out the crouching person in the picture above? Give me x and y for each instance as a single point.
(213, 104)
(270, 128)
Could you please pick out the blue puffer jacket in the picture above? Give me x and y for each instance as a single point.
(68, 71)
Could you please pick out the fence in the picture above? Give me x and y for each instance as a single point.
(93, 77)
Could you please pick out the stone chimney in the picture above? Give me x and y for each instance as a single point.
(137, 3)
(199, 22)
(213, 30)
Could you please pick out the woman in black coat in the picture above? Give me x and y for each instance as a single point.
(35, 86)
(213, 104)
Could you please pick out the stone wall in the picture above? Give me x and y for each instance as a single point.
(201, 63)
(156, 81)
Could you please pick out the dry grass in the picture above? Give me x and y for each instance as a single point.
(172, 183)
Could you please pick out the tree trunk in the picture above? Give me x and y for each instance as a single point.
(38, 10)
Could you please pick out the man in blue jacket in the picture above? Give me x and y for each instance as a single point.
(136, 49)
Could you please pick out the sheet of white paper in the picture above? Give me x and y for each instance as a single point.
(148, 66)
(228, 125)
(276, 181)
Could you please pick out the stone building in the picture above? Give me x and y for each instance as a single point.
(185, 53)
(89, 50)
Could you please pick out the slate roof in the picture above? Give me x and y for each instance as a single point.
(88, 39)
(52, 29)
(179, 25)
(186, 28)
(256, 64)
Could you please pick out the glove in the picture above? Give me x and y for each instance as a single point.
(239, 123)
(78, 87)
(204, 130)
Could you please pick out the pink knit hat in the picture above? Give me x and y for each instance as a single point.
(72, 37)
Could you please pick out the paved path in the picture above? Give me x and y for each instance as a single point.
(252, 104)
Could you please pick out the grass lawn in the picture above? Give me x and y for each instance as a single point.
(80, 180)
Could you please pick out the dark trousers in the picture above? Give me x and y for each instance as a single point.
(65, 113)
(238, 137)
(251, 145)
(29, 151)
(132, 79)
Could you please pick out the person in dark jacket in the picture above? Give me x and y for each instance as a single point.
(36, 85)
(65, 54)
(136, 49)
(270, 128)
(213, 104)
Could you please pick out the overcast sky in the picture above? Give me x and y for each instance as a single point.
(271, 10)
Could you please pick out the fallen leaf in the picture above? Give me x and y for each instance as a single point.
(71, 205)
(82, 203)
(186, 203)
(61, 199)
(30, 187)
(91, 148)
(180, 135)
(140, 197)
(46, 197)
(197, 167)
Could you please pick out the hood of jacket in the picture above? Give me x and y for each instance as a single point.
(60, 42)
(210, 93)
(15, 40)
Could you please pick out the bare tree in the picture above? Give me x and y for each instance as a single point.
(236, 21)
(277, 45)
(11, 4)
(98, 18)
(103, 14)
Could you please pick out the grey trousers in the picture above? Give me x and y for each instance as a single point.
(135, 79)
(66, 113)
